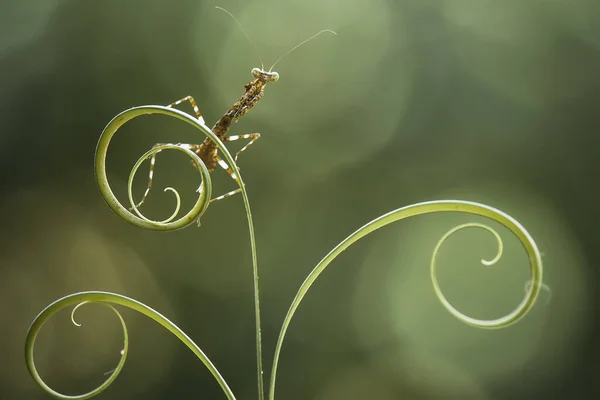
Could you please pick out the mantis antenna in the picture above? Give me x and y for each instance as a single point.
(300, 44)
(262, 66)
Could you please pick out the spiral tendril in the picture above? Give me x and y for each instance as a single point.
(137, 218)
(107, 299)
(420, 209)
(33, 332)
(132, 173)
(496, 323)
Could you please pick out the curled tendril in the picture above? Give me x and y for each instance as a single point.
(136, 166)
(420, 209)
(107, 299)
(137, 218)
(496, 323)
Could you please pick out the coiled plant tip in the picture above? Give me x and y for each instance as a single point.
(137, 218)
(421, 209)
(108, 299)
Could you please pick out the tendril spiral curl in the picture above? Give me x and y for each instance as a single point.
(502, 218)
(107, 299)
(139, 220)
(495, 323)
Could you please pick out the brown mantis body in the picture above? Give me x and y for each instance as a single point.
(207, 151)
(254, 91)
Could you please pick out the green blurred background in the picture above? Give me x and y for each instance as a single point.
(413, 100)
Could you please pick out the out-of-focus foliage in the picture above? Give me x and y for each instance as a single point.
(492, 101)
